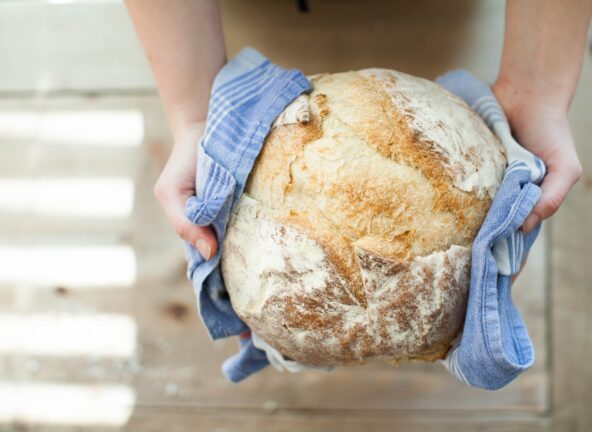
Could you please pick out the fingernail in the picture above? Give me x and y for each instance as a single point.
(531, 221)
(203, 248)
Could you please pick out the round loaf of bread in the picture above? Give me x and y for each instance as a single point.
(352, 240)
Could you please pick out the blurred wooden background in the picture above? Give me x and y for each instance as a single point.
(98, 325)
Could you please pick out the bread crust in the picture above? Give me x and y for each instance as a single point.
(352, 240)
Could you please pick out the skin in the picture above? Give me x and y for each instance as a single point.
(544, 44)
(184, 44)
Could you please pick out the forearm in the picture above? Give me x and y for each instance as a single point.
(544, 44)
(184, 44)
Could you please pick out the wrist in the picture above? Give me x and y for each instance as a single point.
(518, 97)
(189, 133)
(184, 119)
(516, 89)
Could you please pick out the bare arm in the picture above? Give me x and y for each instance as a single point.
(184, 44)
(542, 56)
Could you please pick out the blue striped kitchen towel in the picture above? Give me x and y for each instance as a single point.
(495, 347)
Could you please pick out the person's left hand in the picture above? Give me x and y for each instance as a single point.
(540, 124)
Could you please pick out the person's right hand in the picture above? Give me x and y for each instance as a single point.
(177, 183)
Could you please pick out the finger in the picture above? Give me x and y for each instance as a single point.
(202, 237)
(557, 183)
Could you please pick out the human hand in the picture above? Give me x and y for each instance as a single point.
(540, 124)
(177, 183)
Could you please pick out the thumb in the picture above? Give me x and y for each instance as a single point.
(561, 176)
(202, 237)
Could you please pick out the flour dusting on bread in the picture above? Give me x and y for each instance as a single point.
(457, 134)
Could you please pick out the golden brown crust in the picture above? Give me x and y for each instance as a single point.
(413, 308)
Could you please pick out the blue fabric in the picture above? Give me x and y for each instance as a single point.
(247, 95)
(495, 347)
(248, 361)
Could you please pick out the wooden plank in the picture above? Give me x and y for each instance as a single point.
(70, 51)
(424, 39)
(270, 420)
(87, 46)
(227, 422)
